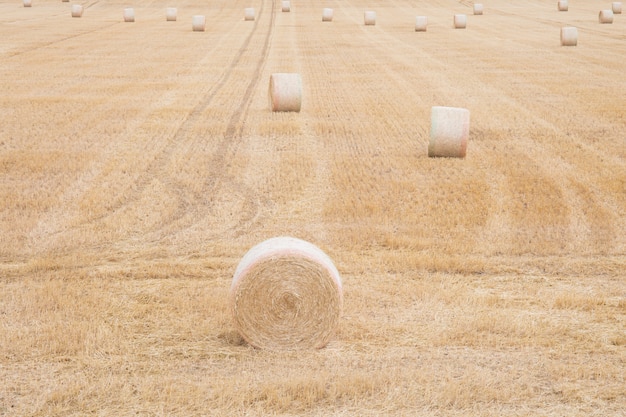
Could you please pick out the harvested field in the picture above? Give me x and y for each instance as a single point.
(139, 162)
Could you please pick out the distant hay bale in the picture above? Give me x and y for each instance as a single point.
(460, 21)
(286, 6)
(198, 23)
(478, 8)
(569, 36)
(616, 6)
(421, 23)
(286, 294)
(65, 1)
(285, 92)
(327, 15)
(129, 14)
(605, 16)
(28, 3)
(249, 13)
(449, 132)
(562, 5)
(370, 18)
(171, 14)
(77, 10)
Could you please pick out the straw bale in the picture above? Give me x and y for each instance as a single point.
(249, 13)
(562, 5)
(286, 6)
(198, 23)
(77, 10)
(327, 15)
(286, 294)
(28, 3)
(569, 36)
(370, 18)
(285, 92)
(449, 132)
(460, 21)
(605, 16)
(171, 14)
(129, 14)
(616, 6)
(478, 8)
(421, 23)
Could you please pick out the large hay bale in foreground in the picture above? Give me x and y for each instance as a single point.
(285, 92)
(198, 23)
(171, 14)
(605, 16)
(569, 36)
(370, 18)
(77, 10)
(129, 14)
(421, 23)
(327, 15)
(286, 293)
(460, 21)
(449, 132)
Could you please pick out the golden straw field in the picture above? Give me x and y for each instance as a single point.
(140, 161)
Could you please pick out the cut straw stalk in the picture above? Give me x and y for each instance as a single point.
(286, 6)
(569, 36)
(285, 92)
(327, 15)
(449, 132)
(249, 13)
(605, 16)
(370, 18)
(198, 23)
(171, 14)
(616, 6)
(286, 294)
(460, 21)
(77, 10)
(478, 9)
(421, 23)
(562, 5)
(129, 14)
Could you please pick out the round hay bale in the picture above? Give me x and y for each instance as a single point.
(478, 8)
(286, 6)
(77, 10)
(569, 36)
(449, 132)
(65, 1)
(28, 3)
(421, 23)
(562, 5)
(249, 13)
(285, 92)
(129, 14)
(370, 18)
(460, 21)
(616, 6)
(198, 23)
(286, 294)
(605, 16)
(327, 15)
(171, 14)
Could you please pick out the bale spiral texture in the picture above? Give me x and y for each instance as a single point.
(460, 21)
(170, 14)
(286, 293)
(77, 10)
(28, 3)
(327, 15)
(616, 6)
(562, 5)
(249, 13)
(421, 23)
(286, 6)
(129, 14)
(449, 131)
(569, 36)
(198, 23)
(478, 9)
(285, 92)
(370, 18)
(605, 16)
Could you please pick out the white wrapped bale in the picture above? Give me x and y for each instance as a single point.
(616, 6)
(28, 3)
(198, 23)
(286, 6)
(460, 21)
(370, 18)
(421, 23)
(286, 294)
(129, 14)
(605, 16)
(327, 15)
(478, 8)
(569, 36)
(171, 14)
(249, 13)
(285, 92)
(562, 5)
(77, 10)
(449, 132)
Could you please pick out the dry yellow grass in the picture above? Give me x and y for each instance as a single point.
(138, 163)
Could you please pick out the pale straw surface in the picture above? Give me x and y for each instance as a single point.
(286, 294)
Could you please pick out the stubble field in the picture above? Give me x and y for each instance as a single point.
(140, 161)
